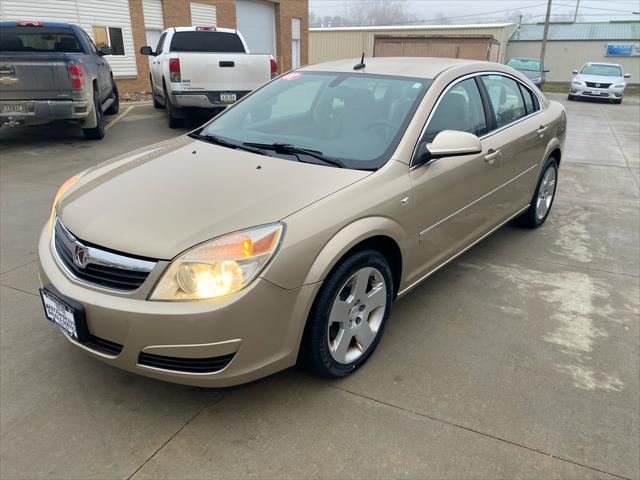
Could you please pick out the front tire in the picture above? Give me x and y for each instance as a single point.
(348, 316)
(97, 132)
(571, 97)
(543, 196)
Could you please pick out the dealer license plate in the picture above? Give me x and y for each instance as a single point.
(58, 312)
(228, 97)
(15, 107)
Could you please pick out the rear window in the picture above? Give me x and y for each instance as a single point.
(210, 42)
(38, 39)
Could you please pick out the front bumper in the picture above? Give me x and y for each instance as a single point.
(590, 92)
(36, 112)
(204, 99)
(258, 329)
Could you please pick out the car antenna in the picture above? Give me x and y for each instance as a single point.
(360, 65)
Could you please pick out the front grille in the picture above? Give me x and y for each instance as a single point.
(101, 267)
(191, 365)
(598, 85)
(102, 345)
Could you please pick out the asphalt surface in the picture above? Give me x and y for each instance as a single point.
(518, 360)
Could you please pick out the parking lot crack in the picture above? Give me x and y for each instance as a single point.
(191, 419)
(478, 432)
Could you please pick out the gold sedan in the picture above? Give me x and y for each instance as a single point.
(285, 229)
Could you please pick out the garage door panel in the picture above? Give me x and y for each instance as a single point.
(257, 23)
(444, 47)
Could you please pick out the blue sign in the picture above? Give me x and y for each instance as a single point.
(622, 50)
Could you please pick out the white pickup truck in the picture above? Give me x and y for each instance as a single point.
(203, 67)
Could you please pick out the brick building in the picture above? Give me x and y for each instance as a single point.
(278, 27)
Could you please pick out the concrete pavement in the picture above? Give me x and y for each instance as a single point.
(518, 360)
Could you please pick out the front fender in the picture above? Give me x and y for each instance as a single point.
(350, 236)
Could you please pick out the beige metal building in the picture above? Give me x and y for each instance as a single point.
(479, 42)
(571, 45)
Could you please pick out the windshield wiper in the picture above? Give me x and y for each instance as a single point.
(293, 150)
(227, 143)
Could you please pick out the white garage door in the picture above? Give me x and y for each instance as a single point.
(257, 22)
(203, 15)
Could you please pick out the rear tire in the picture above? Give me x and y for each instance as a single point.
(617, 101)
(156, 102)
(348, 316)
(115, 106)
(172, 120)
(543, 196)
(97, 132)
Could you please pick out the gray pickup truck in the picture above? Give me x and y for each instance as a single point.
(53, 71)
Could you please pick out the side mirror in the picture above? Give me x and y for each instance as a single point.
(575, 72)
(546, 70)
(147, 51)
(105, 51)
(448, 143)
(627, 75)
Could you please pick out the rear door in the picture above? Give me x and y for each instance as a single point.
(520, 136)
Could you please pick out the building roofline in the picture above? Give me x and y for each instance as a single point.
(413, 27)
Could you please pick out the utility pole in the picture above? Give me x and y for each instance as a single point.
(575, 15)
(545, 33)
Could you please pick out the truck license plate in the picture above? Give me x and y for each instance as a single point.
(14, 107)
(228, 97)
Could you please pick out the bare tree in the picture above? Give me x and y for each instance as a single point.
(372, 12)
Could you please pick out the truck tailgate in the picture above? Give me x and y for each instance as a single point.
(224, 71)
(34, 77)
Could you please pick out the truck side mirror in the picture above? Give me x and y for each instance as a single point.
(147, 51)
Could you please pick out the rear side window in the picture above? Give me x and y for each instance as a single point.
(209, 42)
(506, 99)
(530, 100)
(38, 39)
(460, 109)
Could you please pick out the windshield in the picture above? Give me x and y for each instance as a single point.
(208, 42)
(353, 117)
(604, 70)
(38, 39)
(524, 64)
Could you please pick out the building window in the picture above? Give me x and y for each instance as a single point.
(295, 43)
(109, 37)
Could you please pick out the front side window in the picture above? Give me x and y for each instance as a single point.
(506, 99)
(460, 109)
(39, 39)
(160, 43)
(357, 118)
(109, 37)
(604, 70)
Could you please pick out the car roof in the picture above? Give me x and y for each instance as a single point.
(421, 67)
(194, 29)
(44, 24)
(602, 63)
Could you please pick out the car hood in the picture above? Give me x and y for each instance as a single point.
(160, 201)
(599, 78)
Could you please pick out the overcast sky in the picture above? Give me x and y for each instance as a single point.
(482, 11)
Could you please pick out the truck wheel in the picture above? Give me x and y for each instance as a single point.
(115, 106)
(156, 102)
(172, 120)
(96, 133)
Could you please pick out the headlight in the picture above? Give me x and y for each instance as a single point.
(576, 82)
(61, 191)
(536, 80)
(620, 85)
(221, 266)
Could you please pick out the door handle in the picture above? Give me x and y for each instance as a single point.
(491, 156)
(541, 130)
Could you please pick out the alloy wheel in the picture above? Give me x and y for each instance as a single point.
(546, 192)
